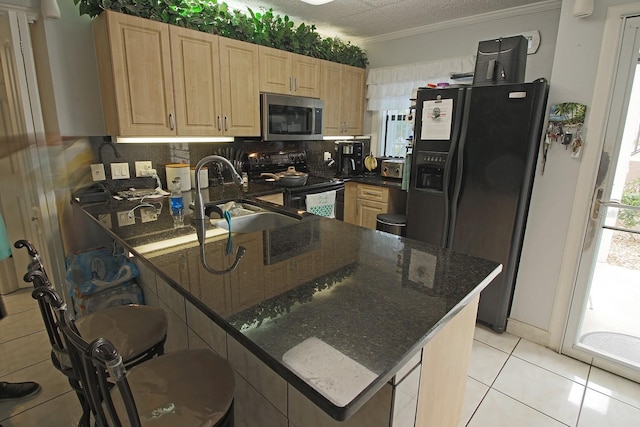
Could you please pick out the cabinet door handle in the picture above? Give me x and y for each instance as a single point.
(368, 193)
(296, 81)
(172, 121)
(219, 123)
(291, 84)
(226, 123)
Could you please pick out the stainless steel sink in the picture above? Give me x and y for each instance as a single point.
(257, 221)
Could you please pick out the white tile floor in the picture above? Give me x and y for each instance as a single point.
(512, 382)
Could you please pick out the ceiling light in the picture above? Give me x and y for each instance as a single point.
(317, 2)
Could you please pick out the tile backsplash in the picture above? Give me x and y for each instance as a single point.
(162, 154)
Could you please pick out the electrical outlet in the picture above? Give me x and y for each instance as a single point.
(105, 220)
(143, 168)
(120, 171)
(148, 214)
(97, 172)
(126, 218)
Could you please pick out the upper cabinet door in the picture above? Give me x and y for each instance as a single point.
(331, 93)
(306, 75)
(289, 73)
(240, 85)
(196, 82)
(353, 99)
(275, 71)
(134, 61)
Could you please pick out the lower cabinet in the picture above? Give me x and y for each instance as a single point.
(363, 203)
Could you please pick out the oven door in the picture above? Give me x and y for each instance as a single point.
(296, 197)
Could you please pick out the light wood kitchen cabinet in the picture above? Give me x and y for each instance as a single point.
(289, 73)
(342, 87)
(161, 80)
(363, 203)
(196, 82)
(240, 87)
(136, 84)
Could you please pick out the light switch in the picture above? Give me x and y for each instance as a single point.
(120, 171)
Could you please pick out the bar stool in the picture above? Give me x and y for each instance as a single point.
(184, 388)
(139, 331)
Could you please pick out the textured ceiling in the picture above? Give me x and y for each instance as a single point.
(361, 19)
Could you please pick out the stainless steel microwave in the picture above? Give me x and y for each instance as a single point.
(287, 118)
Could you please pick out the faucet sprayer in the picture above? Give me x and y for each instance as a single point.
(200, 214)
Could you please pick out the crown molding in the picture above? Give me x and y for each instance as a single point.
(542, 6)
(33, 14)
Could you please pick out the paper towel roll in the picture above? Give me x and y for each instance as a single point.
(204, 177)
(179, 170)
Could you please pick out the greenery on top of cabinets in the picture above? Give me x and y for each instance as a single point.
(266, 28)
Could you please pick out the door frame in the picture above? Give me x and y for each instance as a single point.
(38, 182)
(596, 124)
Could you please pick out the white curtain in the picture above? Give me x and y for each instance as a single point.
(391, 88)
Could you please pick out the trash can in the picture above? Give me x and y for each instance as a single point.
(392, 223)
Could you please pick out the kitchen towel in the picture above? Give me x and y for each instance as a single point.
(322, 204)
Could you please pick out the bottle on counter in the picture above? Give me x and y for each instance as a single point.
(245, 181)
(177, 203)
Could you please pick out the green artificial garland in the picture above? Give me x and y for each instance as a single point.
(266, 29)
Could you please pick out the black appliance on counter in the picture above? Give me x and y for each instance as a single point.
(501, 60)
(350, 158)
(294, 197)
(472, 172)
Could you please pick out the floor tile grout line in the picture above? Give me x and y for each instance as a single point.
(505, 363)
(34, 407)
(531, 407)
(479, 403)
(584, 395)
(496, 377)
(23, 336)
(23, 367)
(553, 372)
(499, 349)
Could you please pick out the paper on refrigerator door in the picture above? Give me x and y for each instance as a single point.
(436, 119)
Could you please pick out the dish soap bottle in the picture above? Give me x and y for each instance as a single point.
(177, 203)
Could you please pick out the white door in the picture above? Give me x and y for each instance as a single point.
(604, 320)
(20, 168)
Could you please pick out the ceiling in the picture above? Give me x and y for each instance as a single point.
(355, 20)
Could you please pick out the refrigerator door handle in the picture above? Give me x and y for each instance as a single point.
(457, 185)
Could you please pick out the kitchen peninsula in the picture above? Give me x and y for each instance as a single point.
(325, 323)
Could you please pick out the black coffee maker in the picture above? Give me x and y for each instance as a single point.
(350, 158)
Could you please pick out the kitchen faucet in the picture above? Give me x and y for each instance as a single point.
(106, 142)
(201, 213)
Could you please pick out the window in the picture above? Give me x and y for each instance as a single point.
(396, 133)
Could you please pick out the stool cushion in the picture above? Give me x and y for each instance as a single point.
(132, 329)
(180, 389)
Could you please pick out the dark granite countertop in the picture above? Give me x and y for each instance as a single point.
(373, 297)
(376, 179)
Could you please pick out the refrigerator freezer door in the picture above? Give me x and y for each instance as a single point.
(497, 158)
(428, 204)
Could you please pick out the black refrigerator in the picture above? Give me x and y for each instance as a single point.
(474, 160)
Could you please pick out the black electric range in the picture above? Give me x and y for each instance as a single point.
(294, 197)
